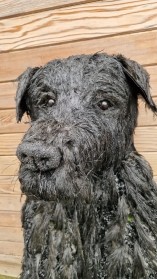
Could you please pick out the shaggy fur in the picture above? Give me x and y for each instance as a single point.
(91, 207)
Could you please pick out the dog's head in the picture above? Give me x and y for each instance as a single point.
(83, 113)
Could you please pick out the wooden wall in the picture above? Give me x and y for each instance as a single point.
(34, 32)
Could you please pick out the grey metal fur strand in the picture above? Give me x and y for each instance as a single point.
(91, 206)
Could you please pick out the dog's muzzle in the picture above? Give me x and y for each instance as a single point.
(39, 156)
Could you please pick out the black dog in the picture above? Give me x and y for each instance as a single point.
(91, 208)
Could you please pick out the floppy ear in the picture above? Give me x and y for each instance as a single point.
(23, 85)
(138, 76)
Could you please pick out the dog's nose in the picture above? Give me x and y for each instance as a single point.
(43, 158)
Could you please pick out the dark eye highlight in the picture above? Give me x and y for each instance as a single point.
(47, 99)
(104, 105)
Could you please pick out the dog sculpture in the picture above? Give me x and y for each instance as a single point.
(91, 206)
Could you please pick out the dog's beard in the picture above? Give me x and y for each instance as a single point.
(73, 178)
(64, 183)
(123, 225)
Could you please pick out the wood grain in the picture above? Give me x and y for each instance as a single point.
(145, 139)
(80, 22)
(140, 47)
(7, 95)
(10, 265)
(9, 248)
(146, 117)
(11, 202)
(10, 8)
(9, 165)
(9, 185)
(10, 219)
(151, 157)
(8, 144)
(8, 122)
(11, 234)
(152, 70)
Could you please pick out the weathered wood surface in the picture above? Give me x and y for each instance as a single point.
(8, 165)
(10, 202)
(139, 46)
(10, 248)
(10, 219)
(9, 185)
(34, 32)
(10, 265)
(145, 139)
(8, 122)
(10, 8)
(79, 22)
(11, 234)
(7, 94)
(146, 117)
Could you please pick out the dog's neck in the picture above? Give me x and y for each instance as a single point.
(107, 238)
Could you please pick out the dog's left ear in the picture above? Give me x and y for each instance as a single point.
(23, 85)
(139, 77)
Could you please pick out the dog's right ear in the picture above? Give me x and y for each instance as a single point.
(139, 78)
(23, 85)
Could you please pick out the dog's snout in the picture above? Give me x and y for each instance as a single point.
(43, 158)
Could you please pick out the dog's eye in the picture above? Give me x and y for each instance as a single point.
(46, 100)
(104, 105)
(50, 102)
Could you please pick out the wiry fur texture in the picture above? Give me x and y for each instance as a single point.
(91, 207)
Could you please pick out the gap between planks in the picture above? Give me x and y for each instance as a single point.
(144, 53)
(78, 23)
(35, 6)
